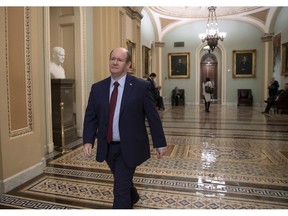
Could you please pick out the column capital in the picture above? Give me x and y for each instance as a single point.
(159, 44)
(267, 37)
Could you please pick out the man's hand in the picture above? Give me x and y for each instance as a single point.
(87, 149)
(160, 152)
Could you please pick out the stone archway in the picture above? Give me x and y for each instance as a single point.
(208, 68)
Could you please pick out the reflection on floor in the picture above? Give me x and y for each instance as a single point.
(230, 158)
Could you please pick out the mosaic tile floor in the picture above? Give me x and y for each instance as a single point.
(230, 158)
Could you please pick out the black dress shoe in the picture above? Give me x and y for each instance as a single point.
(135, 199)
(134, 196)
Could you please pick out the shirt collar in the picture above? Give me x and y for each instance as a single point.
(121, 81)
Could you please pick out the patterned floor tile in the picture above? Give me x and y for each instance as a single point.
(230, 158)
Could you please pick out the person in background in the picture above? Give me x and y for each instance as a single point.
(177, 95)
(151, 79)
(273, 89)
(57, 60)
(207, 96)
(156, 92)
(128, 145)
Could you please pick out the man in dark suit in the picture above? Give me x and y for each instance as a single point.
(273, 91)
(130, 144)
(156, 92)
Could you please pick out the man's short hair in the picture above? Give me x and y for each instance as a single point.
(129, 55)
(152, 75)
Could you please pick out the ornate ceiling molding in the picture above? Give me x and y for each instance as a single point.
(166, 19)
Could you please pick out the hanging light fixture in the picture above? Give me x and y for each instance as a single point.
(212, 34)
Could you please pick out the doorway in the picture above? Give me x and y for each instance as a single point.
(208, 68)
(66, 27)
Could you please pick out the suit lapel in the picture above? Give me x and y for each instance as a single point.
(106, 96)
(127, 91)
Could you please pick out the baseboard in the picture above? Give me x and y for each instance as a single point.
(12, 182)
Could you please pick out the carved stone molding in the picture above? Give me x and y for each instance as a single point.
(159, 44)
(267, 37)
(13, 132)
(133, 14)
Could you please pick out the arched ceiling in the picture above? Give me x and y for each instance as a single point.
(167, 18)
(199, 11)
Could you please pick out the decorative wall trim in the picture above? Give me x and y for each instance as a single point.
(28, 90)
(122, 28)
(267, 37)
(133, 14)
(159, 44)
(20, 178)
(49, 147)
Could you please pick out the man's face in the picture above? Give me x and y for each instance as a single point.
(117, 63)
(60, 56)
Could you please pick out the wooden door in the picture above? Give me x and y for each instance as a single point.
(209, 69)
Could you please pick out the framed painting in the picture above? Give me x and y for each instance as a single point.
(277, 53)
(132, 49)
(146, 61)
(244, 63)
(179, 65)
(285, 59)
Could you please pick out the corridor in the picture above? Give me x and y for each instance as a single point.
(230, 158)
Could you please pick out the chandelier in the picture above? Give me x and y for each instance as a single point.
(212, 34)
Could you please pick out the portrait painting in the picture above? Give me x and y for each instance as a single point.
(277, 53)
(146, 61)
(179, 65)
(131, 47)
(244, 63)
(285, 59)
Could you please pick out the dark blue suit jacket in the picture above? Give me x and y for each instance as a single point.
(137, 104)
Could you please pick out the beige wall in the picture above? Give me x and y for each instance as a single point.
(62, 33)
(113, 26)
(21, 106)
(23, 74)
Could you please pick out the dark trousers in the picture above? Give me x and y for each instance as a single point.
(176, 98)
(207, 105)
(159, 102)
(270, 102)
(268, 106)
(124, 190)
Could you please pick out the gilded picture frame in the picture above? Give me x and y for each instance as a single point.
(276, 40)
(244, 63)
(132, 49)
(146, 61)
(285, 59)
(179, 65)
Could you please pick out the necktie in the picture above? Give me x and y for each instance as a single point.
(112, 106)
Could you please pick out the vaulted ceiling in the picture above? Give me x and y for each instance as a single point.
(167, 18)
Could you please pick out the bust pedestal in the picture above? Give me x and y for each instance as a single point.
(62, 91)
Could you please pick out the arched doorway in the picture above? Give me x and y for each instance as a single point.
(74, 24)
(208, 68)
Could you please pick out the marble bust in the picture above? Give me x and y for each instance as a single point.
(55, 67)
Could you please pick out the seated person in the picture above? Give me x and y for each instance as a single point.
(177, 95)
(273, 93)
(281, 94)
